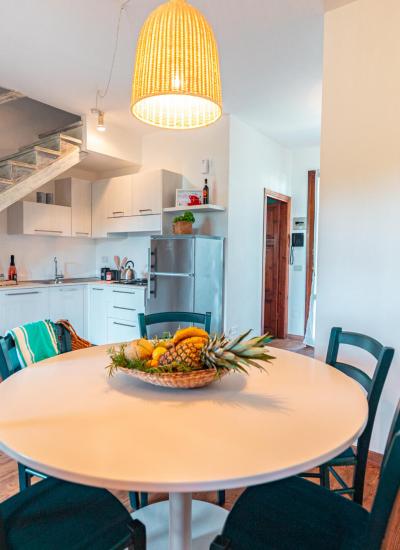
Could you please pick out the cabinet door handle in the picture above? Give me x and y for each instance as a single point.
(48, 231)
(68, 289)
(123, 292)
(125, 308)
(81, 233)
(119, 212)
(145, 210)
(22, 293)
(123, 324)
(101, 289)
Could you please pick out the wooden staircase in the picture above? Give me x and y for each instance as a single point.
(36, 164)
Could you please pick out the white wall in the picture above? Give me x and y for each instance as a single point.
(34, 255)
(304, 160)
(359, 263)
(182, 152)
(256, 163)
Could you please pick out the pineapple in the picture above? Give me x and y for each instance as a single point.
(183, 354)
(218, 353)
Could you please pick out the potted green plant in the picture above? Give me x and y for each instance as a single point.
(183, 225)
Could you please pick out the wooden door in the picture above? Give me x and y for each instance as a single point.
(272, 254)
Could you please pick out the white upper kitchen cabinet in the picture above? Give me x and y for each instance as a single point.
(77, 194)
(119, 197)
(33, 218)
(133, 204)
(68, 302)
(154, 190)
(21, 306)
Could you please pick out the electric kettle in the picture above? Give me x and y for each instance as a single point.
(127, 273)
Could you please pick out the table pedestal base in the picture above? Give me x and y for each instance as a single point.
(163, 534)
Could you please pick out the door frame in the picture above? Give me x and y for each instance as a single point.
(310, 241)
(283, 291)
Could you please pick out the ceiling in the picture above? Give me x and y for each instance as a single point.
(270, 54)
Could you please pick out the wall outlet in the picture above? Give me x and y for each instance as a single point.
(104, 260)
(297, 268)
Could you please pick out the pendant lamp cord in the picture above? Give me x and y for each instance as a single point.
(102, 94)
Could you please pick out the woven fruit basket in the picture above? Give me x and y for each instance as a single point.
(188, 359)
(184, 380)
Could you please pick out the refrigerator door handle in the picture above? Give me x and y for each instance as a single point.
(160, 274)
(150, 276)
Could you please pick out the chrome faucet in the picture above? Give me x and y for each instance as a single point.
(58, 277)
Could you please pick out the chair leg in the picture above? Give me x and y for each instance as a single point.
(134, 500)
(24, 478)
(324, 472)
(221, 498)
(144, 499)
(138, 535)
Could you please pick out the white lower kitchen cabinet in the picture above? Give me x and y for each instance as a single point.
(21, 306)
(113, 313)
(68, 302)
(104, 314)
(97, 315)
(121, 331)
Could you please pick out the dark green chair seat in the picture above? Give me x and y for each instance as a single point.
(296, 514)
(58, 515)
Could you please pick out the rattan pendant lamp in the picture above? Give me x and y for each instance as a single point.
(176, 83)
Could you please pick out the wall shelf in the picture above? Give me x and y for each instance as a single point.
(203, 208)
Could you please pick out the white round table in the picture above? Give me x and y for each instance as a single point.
(65, 417)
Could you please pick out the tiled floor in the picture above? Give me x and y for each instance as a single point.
(9, 477)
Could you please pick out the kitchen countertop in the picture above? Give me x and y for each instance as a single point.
(67, 282)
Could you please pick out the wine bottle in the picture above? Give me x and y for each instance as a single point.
(12, 270)
(206, 193)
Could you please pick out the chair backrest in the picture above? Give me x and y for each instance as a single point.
(203, 319)
(388, 487)
(373, 387)
(9, 362)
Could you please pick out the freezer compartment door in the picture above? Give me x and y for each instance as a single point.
(172, 255)
(169, 293)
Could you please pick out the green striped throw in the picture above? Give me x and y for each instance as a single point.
(35, 342)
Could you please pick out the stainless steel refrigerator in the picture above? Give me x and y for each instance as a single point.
(186, 273)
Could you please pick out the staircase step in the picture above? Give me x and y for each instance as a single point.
(14, 170)
(73, 130)
(5, 182)
(47, 151)
(71, 139)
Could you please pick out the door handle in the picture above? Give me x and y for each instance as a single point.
(162, 274)
(22, 293)
(125, 308)
(123, 324)
(48, 231)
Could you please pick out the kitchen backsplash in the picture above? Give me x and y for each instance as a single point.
(134, 248)
(77, 257)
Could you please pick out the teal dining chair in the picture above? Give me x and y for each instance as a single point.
(67, 516)
(373, 386)
(203, 319)
(297, 514)
(9, 365)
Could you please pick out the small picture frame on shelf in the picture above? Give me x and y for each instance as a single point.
(188, 197)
